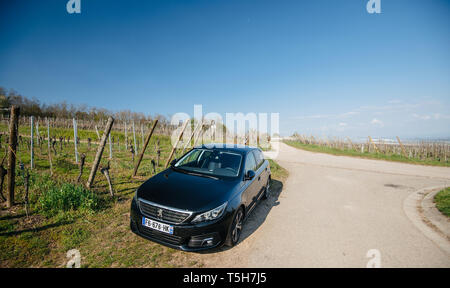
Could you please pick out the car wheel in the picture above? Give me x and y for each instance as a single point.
(266, 194)
(236, 228)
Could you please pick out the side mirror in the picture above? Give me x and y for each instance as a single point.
(250, 175)
(173, 162)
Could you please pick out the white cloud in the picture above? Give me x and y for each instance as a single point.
(435, 116)
(422, 117)
(348, 114)
(377, 122)
(327, 116)
(438, 116)
(317, 116)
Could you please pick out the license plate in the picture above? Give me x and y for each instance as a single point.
(155, 225)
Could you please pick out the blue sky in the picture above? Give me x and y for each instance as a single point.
(328, 67)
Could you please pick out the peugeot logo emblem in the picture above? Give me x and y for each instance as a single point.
(159, 213)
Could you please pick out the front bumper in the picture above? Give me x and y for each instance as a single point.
(186, 237)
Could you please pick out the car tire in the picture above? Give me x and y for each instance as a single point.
(266, 194)
(235, 230)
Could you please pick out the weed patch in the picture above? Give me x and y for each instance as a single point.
(66, 197)
(442, 200)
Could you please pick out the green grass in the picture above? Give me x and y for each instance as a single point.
(442, 200)
(278, 172)
(73, 237)
(376, 156)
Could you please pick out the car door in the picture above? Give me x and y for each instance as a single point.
(266, 168)
(250, 186)
(261, 178)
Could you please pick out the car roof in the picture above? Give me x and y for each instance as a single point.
(241, 148)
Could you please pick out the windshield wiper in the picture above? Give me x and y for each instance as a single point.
(194, 173)
(203, 175)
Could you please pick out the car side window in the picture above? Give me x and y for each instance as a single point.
(190, 159)
(259, 158)
(250, 163)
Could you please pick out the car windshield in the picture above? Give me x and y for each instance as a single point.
(211, 162)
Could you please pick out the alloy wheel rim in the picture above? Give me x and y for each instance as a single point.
(268, 188)
(237, 227)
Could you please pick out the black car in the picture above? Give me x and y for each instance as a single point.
(202, 200)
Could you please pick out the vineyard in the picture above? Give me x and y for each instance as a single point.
(55, 205)
(58, 205)
(418, 152)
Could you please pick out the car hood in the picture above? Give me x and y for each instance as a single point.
(185, 191)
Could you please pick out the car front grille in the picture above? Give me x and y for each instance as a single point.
(164, 214)
(164, 237)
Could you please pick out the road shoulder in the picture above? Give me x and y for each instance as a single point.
(422, 211)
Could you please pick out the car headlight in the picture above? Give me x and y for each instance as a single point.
(135, 195)
(211, 214)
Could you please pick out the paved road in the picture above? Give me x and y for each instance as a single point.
(332, 210)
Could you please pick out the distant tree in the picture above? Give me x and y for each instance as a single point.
(66, 111)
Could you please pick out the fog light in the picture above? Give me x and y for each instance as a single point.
(207, 242)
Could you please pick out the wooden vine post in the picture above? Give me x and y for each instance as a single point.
(126, 136)
(48, 146)
(401, 146)
(142, 134)
(81, 166)
(144, 147)
(105, 171)
(158, 152)
(32, 143)
(190, 138)
(96, 131)
(75, 138)
(110, 147)
(134, 139)
(11, 176)
(351, 144)
(178, 140)
(100, 149)
(198, 134)
(373, 144)
(26, 177)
